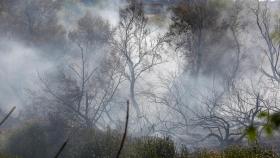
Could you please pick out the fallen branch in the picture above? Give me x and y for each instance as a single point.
(125, 131)
(7, 116)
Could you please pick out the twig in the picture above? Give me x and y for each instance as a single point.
(61, 148)
(125, 131)
(7, 116)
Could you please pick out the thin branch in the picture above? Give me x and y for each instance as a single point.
(62, 148)
(7, 116)
(125, 131)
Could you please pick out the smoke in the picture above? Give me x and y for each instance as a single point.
(19, 67)
(107, 9)
(20, 64)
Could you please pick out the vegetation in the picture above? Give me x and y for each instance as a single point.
(33, 141)
(202, 73)
(270, 126)
(237, 152)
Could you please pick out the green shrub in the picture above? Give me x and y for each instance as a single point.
(36, 140)
(183, 152)
(154, 147)
(236, 152)
(90, 143)
(248, 152)
(7, 156)
(29, 142)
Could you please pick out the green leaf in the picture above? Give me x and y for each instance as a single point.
(268, 129)
(275, 120)
(276, 36)
(263, 114)
(251, 132)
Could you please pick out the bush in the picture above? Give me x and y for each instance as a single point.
(90, 143)
(7, 156)
(154, 147)
(29, 142)
(248, 152)
(36, 140)
(236, 152)
(183, 152)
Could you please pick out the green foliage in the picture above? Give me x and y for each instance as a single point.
(199, 16)
(154, 147)
(236, 152)
(7, 156)
(197, 27)
(263, 114)
(33, 141)
(220, 5)
(272, 123)
(268, 129)
(102, 145)
(90, 143)
(251, 133)
(275, 120)
(184, 152)
(186, 14)
(275, 35)
(248, 152)
(29, 142)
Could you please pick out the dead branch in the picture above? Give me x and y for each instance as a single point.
(7, 116)
(61, 148)
(125, 131)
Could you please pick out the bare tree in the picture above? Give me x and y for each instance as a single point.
(272, 52)
(194, 110)
(235, 26)
(137, 46)
(83, 95)
(84, 90)
(228, 123)
(220, 115)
